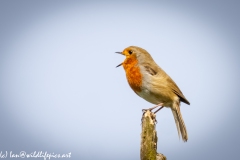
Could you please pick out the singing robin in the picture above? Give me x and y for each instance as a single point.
(151, 83)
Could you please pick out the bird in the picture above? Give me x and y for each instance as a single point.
(153, 84)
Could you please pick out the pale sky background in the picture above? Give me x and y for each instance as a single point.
(60, 91)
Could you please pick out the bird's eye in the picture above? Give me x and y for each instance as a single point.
(130, 52)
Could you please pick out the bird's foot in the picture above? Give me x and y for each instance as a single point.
(160, 105)
(149, 113)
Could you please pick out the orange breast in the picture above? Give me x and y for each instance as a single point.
(133, 74)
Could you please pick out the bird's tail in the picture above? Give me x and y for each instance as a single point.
(182, 131)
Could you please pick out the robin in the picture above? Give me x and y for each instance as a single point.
(151, 83)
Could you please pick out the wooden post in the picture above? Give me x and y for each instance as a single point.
(149, 138)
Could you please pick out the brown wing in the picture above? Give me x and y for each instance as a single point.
(177, 91)
(150, 70)
(171, 83)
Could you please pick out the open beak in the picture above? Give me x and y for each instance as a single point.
(120, 63)
(119, 53)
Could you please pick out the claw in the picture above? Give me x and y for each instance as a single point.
(153, 113)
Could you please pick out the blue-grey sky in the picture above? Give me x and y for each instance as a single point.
(60, 91)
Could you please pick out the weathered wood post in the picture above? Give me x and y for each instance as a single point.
(149, 138)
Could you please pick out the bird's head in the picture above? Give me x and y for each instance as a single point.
(134, 53)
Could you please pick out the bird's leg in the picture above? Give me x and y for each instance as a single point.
(158, 109)
(150, 109)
